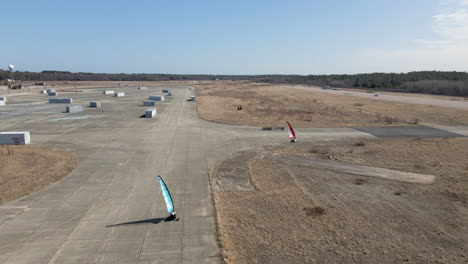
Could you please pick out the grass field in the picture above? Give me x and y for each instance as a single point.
(26, 169)
(270, 105)
(303, 214)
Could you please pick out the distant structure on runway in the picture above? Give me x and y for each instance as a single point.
(11, 67)
(15, 138)
(327, 87)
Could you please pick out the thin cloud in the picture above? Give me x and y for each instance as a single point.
(452, 25)
(448, 52)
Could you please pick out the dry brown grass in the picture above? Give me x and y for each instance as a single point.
(443, 157)
(403, 112)
(300, 214)
(272, 105)
(26, 169)
(266, 105)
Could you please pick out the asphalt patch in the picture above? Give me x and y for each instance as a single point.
(408, 132)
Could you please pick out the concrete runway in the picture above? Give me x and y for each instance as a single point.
(109, 209)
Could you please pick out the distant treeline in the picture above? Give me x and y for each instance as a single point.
(431, 82)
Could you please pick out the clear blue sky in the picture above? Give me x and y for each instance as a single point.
(229, 37)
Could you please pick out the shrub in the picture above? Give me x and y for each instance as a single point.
(360, 181)
(315, 211)
(413, 121)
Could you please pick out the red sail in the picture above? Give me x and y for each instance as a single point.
(292, 134)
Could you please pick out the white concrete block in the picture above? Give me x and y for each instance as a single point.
(94, 104)
(60, 100)
(44, 91)
(156, 97)
(119, 94)
(108, 92)
(150, 113)
(15, 138)
(74, 108)
(2, 103)
(149, 103)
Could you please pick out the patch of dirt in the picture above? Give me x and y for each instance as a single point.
(272, 105)
(301, 214)
(26, 169)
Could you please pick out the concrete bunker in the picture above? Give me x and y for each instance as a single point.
(150, 113)
(95, 104)
(156, 97)
(15, 138)
(60, 100)
(74, 108)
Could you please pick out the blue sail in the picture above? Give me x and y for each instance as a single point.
(167, 195)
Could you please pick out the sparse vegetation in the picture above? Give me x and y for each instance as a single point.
(314, 211)
(387, 119)
(360, 181)
(26, 169)
(314, 150)
(339, 207)
(272, 105)
(413, 121)
(6, 151)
